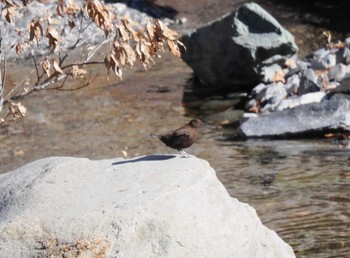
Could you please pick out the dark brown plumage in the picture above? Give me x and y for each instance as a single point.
(182, 137)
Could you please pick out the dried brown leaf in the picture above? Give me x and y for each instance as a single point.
(78, 72)
(124, 34)
(279, 76)
(123, 54)
(162, 31)
(127, 24)
(56, 66)
(71, 24)
(328, 35)
(72, 8)
(52, 21)
(10, 3)
(321, 72)
(35, 30)
(18, 48)
(124, 153)
(118, 71)
(108, 62)
(150, 27)
(46, 66)
(174, 48)
(60, 8)
(111, 62)
(53, 37)
(130, 53)
(143, 52)
(255, 109)
(17, 110)
(9, 12)
(100, 15)
(290, 63)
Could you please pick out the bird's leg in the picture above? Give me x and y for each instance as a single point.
(184, 154)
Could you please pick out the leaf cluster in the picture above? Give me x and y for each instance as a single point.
(128, 42)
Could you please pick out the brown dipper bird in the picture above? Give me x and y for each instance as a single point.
(182, 137)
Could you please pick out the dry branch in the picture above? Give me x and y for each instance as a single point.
(128, 43)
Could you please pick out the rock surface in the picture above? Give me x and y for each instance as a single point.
(243, 47)
(319, 77)
(151, 206)
(331, 114)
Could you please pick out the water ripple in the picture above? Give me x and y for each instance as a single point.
(299, 188)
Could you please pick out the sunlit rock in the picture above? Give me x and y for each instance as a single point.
(243, 47)
(151, 206)
(330, 114)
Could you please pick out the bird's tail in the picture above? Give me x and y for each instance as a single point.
(154, 135)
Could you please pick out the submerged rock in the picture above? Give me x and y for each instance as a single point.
(244, 47)
(151, 206)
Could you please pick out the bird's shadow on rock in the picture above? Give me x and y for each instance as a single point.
(145, 158)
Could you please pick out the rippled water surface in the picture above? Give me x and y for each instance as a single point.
(300, 189)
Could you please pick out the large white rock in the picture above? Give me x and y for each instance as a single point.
(152, 206)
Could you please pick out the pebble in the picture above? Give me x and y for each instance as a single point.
(346, 56)
(259, 91)
(347, 42)
(292, 84)
(308, 82)
(337, 72)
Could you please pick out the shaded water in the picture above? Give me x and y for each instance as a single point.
(300, 189)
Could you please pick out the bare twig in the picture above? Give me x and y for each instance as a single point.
(51, 81)
(38, 78)
(93, 52)
(3, 76)
(62, 84)
(85, 84)
(2, 73)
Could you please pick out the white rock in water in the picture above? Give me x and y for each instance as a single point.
(312, 97)
(288, 103)
(151, 206)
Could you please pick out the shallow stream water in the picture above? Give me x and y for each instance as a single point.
(299, 188)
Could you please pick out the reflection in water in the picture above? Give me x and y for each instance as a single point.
(301, 189)
(298, 188)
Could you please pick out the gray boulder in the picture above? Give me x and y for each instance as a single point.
(151, 206)
(244, 47)
(313, 118)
